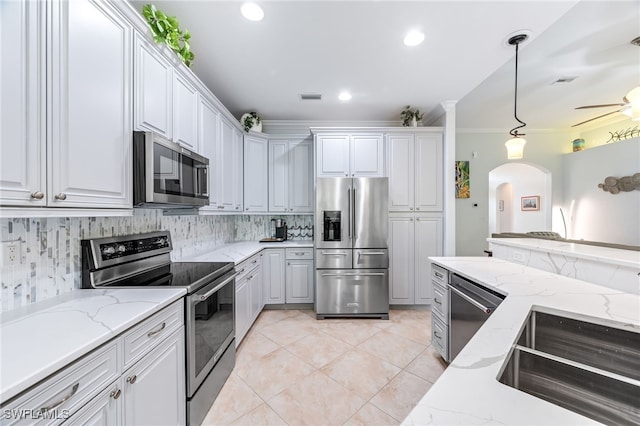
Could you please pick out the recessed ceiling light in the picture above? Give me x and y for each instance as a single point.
(344, 96)
(252, 11)
(413, 38)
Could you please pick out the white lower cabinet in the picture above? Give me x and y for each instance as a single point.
(299, 276)
(248, 295)
(273, 274)
(413, 238)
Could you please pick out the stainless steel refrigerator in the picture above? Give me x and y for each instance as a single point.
(352, 258)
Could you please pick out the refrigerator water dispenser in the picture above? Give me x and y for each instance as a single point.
(332, 221)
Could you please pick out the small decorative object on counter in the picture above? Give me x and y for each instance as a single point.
(251, 121)
(614, 185)
(410, 117)
(166, 30)
(578, 145)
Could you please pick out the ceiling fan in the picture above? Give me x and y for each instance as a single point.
(630, 104)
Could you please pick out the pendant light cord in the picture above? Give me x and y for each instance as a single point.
(514, 132)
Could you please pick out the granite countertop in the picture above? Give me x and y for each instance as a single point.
(39, 339)
(468, 391)
(614, 256)
(242, 250)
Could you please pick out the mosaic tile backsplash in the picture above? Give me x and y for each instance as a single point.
(49, 248)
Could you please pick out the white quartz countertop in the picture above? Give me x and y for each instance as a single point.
(240, 251)
(610, 255)
(39, 339)
(468, 391)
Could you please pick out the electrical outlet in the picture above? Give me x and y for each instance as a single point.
(11, 253)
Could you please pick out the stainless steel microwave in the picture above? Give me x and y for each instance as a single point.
(167, 175)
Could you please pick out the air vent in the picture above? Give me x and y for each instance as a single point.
(562, 80)
(310, 97)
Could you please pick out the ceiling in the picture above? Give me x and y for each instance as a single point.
(325, 47)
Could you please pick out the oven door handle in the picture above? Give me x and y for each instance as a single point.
(202, 297)
(474, 302)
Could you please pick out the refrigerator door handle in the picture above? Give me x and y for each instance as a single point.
(355, 235)
(329, 253)
(349, 212)
(356, 274)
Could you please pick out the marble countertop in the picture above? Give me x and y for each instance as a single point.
(39, 339)
(242, 250)
(468, 391)
(628, 258)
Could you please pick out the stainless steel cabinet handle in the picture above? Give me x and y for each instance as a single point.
(153, 333)
(61, 196)
(132, 379)
(475, 303)
(115, 394)
(241, 271)
(437, 301)
(438, 274)
(74, 389)
(37, 195)
(299, 253)
(221, 207)
(435, 333)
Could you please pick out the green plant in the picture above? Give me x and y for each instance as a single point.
(166, 30)
(407, 115)
(249, 119)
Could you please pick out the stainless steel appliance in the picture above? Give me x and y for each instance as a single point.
(281, 229)
(167, 175)
(471, 305)
(352, 258)
(143, 260)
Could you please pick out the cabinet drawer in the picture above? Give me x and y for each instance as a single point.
(440, 302)
(299, 253)
(439, 274)
(243, 268)
(65, 392)
(440, 337)
(140, 339)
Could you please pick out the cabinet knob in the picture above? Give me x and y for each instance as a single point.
(37, 195)
(417, 208)
(417, 219)
(289, 263)
(61, 196)
(247, 208)
(115, 394)
(132, 379)
(410, 208)
(411, 220)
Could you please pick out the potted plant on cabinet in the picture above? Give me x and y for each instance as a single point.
(410, 117)
(167, 30)
(251, 121)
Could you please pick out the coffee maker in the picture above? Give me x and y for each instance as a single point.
(281, 229)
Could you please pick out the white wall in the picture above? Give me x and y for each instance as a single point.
(594, 214)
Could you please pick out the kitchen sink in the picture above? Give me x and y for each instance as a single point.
(586, 365)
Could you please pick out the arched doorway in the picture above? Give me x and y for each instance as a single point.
(508, 184)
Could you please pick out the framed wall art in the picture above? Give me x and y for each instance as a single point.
(462, 179)
(530, 203)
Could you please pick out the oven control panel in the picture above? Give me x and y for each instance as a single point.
(120, 249)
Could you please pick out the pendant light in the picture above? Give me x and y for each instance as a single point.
(515, 145)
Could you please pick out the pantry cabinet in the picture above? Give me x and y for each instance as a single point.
(256, 183)
(414, 164)
(291, 176)
(413, 238)
(354, 155)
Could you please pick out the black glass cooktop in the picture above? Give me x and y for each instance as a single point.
(191, 275)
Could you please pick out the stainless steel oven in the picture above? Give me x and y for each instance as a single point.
(166, 174)
(143, 261)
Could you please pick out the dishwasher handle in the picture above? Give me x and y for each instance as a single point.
(486, 309)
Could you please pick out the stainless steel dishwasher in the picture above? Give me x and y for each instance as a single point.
(471, 305)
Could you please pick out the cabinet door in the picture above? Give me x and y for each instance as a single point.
(104, 410)
(153, 88)
(367, 156)
(256, 183)
(301, 177)
(428, 242)
(238, 152)
(278, 176)
(273, 276)
(299, 281)
(401, 260)
(90, 117)
(209, 136)
(255, 294)
(242, 308)
(428, 175)
(22, 122)
(400, 161)
(226, 170)
(332, 155)
(185, 113)
(154, 389)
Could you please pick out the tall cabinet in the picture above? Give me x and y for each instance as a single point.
(414, 166)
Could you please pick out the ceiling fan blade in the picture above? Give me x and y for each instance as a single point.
(595, 118)
(599, 106)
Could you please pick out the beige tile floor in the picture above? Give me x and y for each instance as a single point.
(294, 370)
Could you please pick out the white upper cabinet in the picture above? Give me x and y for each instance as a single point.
(185, 113)
(22, 84)
(414, 165)
(355, 155)
(290, 176)
(153, 89)
(255, 174)
(209, 136)
(229, 168)
(238, 146)
(89, 154)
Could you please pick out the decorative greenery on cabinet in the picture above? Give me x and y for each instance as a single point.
(410, 117)
(167, 30)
